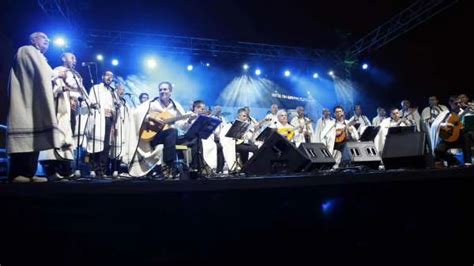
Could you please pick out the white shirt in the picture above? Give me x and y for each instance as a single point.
(377, 120)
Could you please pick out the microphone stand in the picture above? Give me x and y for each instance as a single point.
(116, 144)
(77, 172)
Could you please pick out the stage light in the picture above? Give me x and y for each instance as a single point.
(258, 72)
(99, 57)
(287, 73)
(115, 62)
(245, 66)
(60, 42)
(190, 67)
(151, 63)
(208, 64)
(365, 66)
(315, 75)
(331, 73)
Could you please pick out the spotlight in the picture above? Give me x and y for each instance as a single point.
(245, 66)
(287, 73)
(365, 66)
(151, 63)
(315, 75)
(331, 73)
(208, 64)
(115, 62)
(190, 67)
(60, 42)
(258, 72)
(99, 57)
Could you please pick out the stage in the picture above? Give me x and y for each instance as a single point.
(392, 217)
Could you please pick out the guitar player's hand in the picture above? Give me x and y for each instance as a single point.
(156, 120)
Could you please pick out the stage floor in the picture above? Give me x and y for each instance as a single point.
(408, 217)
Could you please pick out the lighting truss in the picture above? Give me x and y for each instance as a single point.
(417, 13)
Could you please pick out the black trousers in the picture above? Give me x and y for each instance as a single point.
(244, 149)
(168, 139)
(62, 167)
(464, 142)
(220, 157)
(100, 160)
(24, 164)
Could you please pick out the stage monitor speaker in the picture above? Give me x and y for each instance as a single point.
(360, 153)
(318, 156)
(405, 151)
(276, 156)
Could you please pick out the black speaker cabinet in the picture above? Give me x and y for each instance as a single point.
(276, 156)
(405, 151)
(318, 156)
(360, 153)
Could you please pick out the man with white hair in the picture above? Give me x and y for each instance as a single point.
(32, 122)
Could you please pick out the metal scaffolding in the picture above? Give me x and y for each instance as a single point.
(417, 13)
(204, 46)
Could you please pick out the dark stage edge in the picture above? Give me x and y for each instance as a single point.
(409, 217)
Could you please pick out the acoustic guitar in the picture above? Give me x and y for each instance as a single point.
(152, 128)
(287, 132)
(452, 133)
(341, 133)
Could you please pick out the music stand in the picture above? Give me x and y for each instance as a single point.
(201, 128)
(401, 130)
(265, 134)
(237, 131)
(468, 122)
(370, 133)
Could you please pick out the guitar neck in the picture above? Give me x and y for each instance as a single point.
(177, 118)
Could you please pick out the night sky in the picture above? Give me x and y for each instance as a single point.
(432, 59)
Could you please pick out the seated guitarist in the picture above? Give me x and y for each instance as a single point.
(283, 127)
(167, 137)
(447, 133)
(246, 145)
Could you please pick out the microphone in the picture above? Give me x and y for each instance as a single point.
(87, 63)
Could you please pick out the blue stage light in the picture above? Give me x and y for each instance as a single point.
(151, 63)
(60, 42)
(115, 62)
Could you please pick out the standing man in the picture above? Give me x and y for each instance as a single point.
(430, 113)
(323, 125)
(359, 120)
(395, 120)
(303, 125)
(143, 97)
(217, 132)
(121, 131)
(32, 123)
(340, 133)
(57, 162)
(410, 113)
(381, 115)
(102, 99)
(271, 118)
